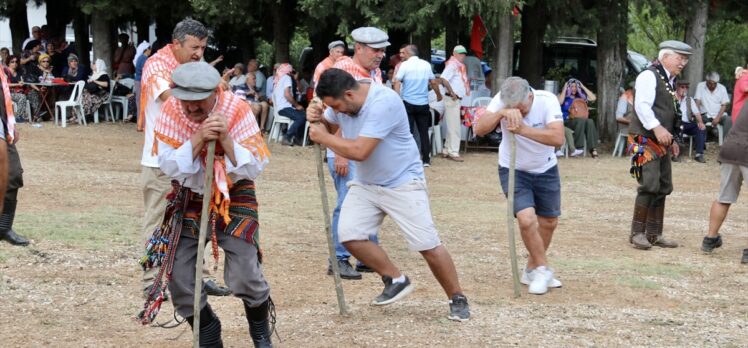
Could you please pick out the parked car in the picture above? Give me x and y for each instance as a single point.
(577, 58)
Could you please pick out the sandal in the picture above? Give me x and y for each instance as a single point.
(593, 153)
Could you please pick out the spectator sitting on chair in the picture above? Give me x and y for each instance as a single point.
(236, 77)
(258, 103)
(584, 128)
(286, 104)
(96, 90)
(712, 99)
(74, 71)
(569, 139)
(19, 92)
(625, 108)
(692, 123)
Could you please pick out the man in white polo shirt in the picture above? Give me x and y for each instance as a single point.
(412, 82)
(712, 99)
(455, 80)
(536, 120)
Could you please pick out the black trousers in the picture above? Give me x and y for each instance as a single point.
(655, 183)
(419, 118)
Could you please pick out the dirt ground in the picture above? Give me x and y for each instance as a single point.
(77, 285)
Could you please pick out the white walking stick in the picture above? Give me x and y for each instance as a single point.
(510, 215)
(328, 231)
(207, 191)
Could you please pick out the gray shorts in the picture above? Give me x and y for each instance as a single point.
(731, 178)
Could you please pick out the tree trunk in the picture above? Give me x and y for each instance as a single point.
(451, 31)
(102, 39)
(82, 46)
(59, 14)
(19, 25)
(281, 32)
(534, 24)
(611, 60)
(423, 42)
(696, 37)
(319, 39)
(143, 26)
(397, 38)
(502, 57)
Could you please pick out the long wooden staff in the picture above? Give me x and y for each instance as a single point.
(510, 214)
(207, 192)
(328, 230)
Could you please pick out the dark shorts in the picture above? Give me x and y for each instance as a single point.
(540, 191)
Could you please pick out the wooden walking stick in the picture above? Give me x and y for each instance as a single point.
(510, 214)
(204, 218)
(328, 230)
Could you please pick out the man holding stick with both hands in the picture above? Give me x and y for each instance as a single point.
(389, 181)
(536, 120)
(197, 113)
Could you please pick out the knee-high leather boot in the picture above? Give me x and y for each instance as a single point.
(655, 217)
(639, 227)
(259, 324)
(6, 224)
(210, 328)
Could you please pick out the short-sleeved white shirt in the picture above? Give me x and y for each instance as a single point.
(396, 159)
(711, 102)
(454, 77)
(532, 156)
(279, 93)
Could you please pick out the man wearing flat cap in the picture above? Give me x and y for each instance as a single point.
(337, 50)
(196, 113)
(367, 55)
(651, 135)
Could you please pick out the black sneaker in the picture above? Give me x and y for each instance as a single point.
(744, 260)
(364, 268)
(287, 141)
(700, 159)
(710, 243)
(345, 269)
(459, 310)
(392, 291)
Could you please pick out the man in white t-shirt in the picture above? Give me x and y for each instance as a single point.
(389, 181)
(712, 99)
(455, 80)
(536, 120)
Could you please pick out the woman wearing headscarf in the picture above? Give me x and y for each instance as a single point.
(141, 55)
(74, 71)
(96, 91)
(584, 128)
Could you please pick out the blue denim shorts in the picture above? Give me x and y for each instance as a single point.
(540, 191)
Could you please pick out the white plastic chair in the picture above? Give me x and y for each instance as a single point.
(481, 101)
(73, 102)
(278, 121)
(108, 112)
(306, 131)
(620, 146)
(122, 100)
(435, 133)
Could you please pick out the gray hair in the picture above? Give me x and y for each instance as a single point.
(712, 76)
(515, 91)
(412, 50)
(663, 52)
(191, 27)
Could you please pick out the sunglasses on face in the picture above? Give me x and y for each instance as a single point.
(45, 61)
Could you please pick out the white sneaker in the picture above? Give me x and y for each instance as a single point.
(526, 280)
(541, 277)
(577, 152)
(559, 153)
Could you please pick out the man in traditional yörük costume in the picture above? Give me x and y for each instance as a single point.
(196, 113)
(651, 141)
(15, 171)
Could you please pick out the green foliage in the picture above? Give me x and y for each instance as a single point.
(726, 48)
(650, 25)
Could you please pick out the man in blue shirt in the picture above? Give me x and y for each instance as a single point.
(389, 181)
(412, 81)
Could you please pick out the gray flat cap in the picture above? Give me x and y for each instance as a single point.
(194, 81)
(677, 46)
(336, 44)
(370, 36)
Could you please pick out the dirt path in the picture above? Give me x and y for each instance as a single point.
(77, 284)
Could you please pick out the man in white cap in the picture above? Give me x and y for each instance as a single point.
(367, 54)
(711, 97)
(651, 132)
(389, 181)
(337, 50)
(455, 80)
(196, 113)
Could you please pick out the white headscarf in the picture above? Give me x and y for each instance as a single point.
(100, 69)
(140, 50)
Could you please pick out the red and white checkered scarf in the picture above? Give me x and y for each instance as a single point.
(461, 69)
(174, 128)
(358, 72)
(283, 70)
(159, 65)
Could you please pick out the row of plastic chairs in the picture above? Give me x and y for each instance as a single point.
(75, 102)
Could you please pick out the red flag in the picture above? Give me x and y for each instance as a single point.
(476, 36)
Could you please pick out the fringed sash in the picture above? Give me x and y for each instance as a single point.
(643, 150)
